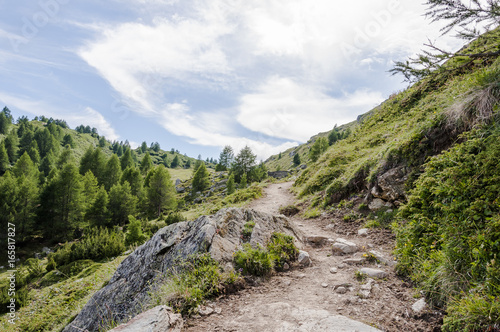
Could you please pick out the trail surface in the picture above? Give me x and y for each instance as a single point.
(324, 296)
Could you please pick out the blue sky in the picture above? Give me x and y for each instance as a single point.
(199, 75)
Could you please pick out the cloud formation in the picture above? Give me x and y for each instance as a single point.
(279, 62)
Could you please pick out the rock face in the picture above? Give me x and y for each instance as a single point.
(158, 319)
(220, 235)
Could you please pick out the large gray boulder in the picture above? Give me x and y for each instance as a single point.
(391, 185)
(126, 294)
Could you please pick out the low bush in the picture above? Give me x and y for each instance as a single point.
(98, 243)
(257, 262)
(282, 250)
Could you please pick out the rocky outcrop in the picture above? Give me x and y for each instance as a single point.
(127, 293)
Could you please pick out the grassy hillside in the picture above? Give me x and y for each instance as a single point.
(444, 133)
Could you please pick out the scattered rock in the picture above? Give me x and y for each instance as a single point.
(218, 310)
(304, 258)
(391, 184)
(376, 204)
(324, 285)
(381, 258)
(333, 270)
(363, 232)
(158, 319)
(205, 311)
(286, 267)
(341, 290)
(419, 307)
(354, 261)
(316, 240)
(46, 250)
(342, 246)
(373, 273)
(177, 182)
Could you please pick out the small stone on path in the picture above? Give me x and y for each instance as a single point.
(373, 273)
(333, 270)
(304, 258)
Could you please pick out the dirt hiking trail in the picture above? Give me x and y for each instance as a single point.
(326, 295)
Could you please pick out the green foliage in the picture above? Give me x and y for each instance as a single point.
(68, 140)
(97, 244)
(174, 217)
(160, 191)
(134, 235)
(97, 213)
(451, 240)
(243, 181)
(175, 162)
(318, 148)
(258, 261)
(4, 158)
(473, 312)
(112, 172)
(313, 212)
(296, 159)
(195, 279)
(121, 204)
(243, 163)
(248, 229)
(146, 163)
(226, 158)
(282, 250)
(200, 179)
(230, 184)
(126, 159)
(11, 143)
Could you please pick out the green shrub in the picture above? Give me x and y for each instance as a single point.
(282, 250)
(98, 243)
(174, 217)
(258, 261)
(195, 279)
(312, 213)
(449, 243)
(134, 234)
(474, 312)
(248, 229)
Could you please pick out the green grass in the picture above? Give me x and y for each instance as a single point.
(50, 308)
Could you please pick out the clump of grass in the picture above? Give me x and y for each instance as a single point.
(312, 213)
(474, 312)
(352, 216)
(254, 261)
(197, 278)
(248, 229)
(282, 250)
(361, 277)
(372, 224)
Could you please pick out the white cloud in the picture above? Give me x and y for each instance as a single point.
(279, 58)
(286, 109)
(87, 116)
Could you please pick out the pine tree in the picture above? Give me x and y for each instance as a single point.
(12, 146)
(4, 124)
(230, 185)
(134, 232)
(65, 157)
(175, 163)
(333, 137)
(126, 160)
(90, 188)
(146, 163)
(296, 159)
(226, 158)
(160, 191)
(244, 162)
(201, 179)
(33, 152)
(25, 167)
(97, 213)
(27, 139)
(48, 163)
(144, 147)
(112, 172)
(243, 181)
(133, 176)
(4, 159)
(68, 140)
(121, 203)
